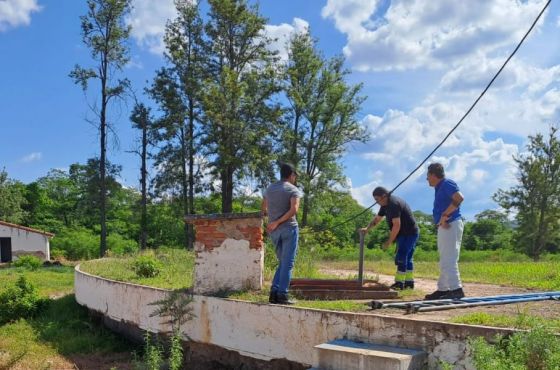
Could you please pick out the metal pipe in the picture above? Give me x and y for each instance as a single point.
(418, 308)
(361, 265)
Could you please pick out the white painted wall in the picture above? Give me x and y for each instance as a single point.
(270, 331)
(231, 266)
(25, 242)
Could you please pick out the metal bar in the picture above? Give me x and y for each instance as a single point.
(361, 266)
(441, 302)
(419, 308)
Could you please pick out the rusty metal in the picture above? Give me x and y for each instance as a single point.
(361, 265)
(334, 289)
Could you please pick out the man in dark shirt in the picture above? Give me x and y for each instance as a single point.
(403, 230)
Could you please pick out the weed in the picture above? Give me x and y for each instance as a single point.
(28, 262)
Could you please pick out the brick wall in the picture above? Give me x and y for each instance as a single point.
(229, 252)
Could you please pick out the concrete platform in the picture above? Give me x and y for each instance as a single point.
(349, 355)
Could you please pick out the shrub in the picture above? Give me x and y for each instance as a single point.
(537, 349)
(119, 246)
(76, 244)
(147, 266)
(20, 301)
(28, 262)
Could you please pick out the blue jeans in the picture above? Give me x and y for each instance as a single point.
(406, 245)
(286, 242)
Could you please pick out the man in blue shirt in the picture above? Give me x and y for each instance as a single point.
(447, 217)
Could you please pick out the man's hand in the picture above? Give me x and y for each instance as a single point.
(386, 245)
(271, 226)
(443, 222)
(363, 230)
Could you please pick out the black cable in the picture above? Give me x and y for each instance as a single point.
(454, 127)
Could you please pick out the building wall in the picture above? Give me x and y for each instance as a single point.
(270, 332)
(26, 242)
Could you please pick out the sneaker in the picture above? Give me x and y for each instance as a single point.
(409, 284)
(272, 297)
(455, 294)
(398, 285)
(438, 294)
(284, 299)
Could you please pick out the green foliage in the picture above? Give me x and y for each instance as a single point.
(20, 300)
(118, 245)
(176, 352)
(76, 244)
(537, 349)
(28, 262)
(147, 266)
(536, 197)
(12, 199)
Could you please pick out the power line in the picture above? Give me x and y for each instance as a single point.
(456, 125)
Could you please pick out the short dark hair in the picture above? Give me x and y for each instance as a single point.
(437, 170)
(286, 170)
(380, 191)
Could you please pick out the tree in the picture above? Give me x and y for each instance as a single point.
(104, 33)
(239, 115)
(12, 199)
(537, 196)
(142, 121)
(323, 110)
(177, 90)
(489, 231)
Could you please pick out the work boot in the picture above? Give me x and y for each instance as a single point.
(284, 298)
(409, 284)
(272, 298)
(455, 294)
(398, 285)
(438, 294)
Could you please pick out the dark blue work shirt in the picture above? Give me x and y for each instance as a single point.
(443, 192)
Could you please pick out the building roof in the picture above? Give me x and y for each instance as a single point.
(50, 235)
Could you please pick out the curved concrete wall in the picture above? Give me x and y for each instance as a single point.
(276, 332)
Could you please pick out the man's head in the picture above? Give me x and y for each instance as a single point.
(381, 195)
(288, 173)
(436, 173)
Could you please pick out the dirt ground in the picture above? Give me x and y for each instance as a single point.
(545, 309)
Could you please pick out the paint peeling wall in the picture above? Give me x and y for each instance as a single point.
(229, 252)
(278, 332)
(26, 242)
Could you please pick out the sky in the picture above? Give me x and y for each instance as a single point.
(421, 63)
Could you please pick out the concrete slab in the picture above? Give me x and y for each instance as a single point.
(350, 355)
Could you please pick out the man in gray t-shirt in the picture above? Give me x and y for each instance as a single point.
(281, 203)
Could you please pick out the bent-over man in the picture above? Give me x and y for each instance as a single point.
(403, 230)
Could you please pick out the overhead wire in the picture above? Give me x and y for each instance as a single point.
(454, 127)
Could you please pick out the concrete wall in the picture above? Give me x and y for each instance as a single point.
(277, 332)
(229, 253)
(26, 242)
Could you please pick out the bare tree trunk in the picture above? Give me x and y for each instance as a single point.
(143, 181)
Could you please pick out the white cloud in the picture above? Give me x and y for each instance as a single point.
(415, 33)
(148, 19)
(282, 34)
(32, 157)
(14, 13)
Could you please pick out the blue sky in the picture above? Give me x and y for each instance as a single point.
(422, 64)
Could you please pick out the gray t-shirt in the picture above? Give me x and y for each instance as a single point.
(278, 197)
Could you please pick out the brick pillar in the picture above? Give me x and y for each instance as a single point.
(229, 252)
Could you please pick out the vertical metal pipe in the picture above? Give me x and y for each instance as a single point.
(361, 266)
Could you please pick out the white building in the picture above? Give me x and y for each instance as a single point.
(17, 240)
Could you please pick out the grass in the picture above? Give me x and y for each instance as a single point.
(519, 321)
(536, 275)
(176, 274)
(57, 280)
(63, 330)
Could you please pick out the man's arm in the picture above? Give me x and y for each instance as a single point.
(394, 232)
(294, 206)
(376, 220)
(456, 200)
